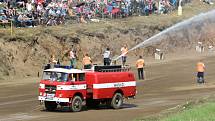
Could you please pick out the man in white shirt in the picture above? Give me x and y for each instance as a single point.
(106, 56)
(29, 7)
(72, 57)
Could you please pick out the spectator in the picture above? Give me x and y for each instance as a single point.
(82, 20)
(208, 2)
(39, 8)
(173, 2)
(54, 12)
(51, 21)
(29, 7)
(146, 9)
(20, 3)
(3, 19)
(24, 20)
(162, 8)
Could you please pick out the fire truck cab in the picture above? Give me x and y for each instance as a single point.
(75, 88)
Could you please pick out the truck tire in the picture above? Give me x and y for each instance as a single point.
(50, 106)
(76, 105)
(117, 101)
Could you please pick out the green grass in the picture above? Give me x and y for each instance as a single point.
(204, 112)
(190, 112)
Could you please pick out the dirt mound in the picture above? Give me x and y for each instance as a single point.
(26, 56)
(22, 56)
(25, 53)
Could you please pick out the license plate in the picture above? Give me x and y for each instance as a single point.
(50, 96)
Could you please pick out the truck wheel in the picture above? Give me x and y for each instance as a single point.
(50, 106)
(76, 105)
(117, 101)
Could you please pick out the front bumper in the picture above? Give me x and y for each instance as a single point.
(56, 99)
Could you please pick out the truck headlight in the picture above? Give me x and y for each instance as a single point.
(44, 94)
(60, 95)
(42, 86)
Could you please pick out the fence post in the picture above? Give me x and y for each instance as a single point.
(180, 8)
(11, 27)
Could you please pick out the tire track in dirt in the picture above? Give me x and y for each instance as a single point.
(166, 86)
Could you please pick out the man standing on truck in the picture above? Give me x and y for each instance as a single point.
(87, 62)
(124, 51)
(106, 56)
(200, 72)
(52, 61)
(72, 57)
(140, 64)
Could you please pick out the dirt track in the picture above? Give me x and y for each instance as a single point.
(167, 84)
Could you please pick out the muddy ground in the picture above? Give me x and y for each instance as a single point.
(168, 83)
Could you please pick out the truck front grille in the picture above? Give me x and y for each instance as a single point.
(50, 89)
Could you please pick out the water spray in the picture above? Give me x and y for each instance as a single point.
(173, 29)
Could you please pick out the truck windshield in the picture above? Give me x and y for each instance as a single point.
(55, 76)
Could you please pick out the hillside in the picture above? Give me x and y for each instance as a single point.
(28, 49)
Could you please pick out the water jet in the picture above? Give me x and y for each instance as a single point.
(197, 23)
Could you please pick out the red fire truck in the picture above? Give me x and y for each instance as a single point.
(75, 88)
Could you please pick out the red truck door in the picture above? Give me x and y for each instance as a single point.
(79, 85)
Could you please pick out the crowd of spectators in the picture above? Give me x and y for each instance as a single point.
(208, 1)
(30, 13)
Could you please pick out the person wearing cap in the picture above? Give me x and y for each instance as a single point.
(87, 62)
(140, 64)
(200, 72)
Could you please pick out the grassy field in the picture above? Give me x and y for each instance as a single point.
(204, 112)
(200, 112)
